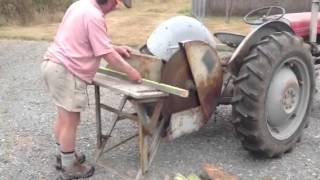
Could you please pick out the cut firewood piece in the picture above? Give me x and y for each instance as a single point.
(217, 173)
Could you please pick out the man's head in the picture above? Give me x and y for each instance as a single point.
(109, 5)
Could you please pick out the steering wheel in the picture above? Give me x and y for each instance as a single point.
(264, 14)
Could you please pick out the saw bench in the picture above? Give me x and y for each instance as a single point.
(149, 121)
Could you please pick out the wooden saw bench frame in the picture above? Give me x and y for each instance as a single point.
(150, 125)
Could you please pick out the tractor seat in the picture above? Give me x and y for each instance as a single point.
(231, 39)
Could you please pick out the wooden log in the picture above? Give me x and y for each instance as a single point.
(217, 173)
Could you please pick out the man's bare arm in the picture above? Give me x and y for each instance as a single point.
(117, 61)
(124, 51)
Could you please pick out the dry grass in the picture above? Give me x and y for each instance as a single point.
(35, 32)
(130, 26)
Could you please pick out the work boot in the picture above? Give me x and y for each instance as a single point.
(76, 171)
(81, 158)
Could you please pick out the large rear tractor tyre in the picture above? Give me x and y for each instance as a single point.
(273, 94)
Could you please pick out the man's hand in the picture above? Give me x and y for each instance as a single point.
(117, 61)
(124, 51)
(134, 76)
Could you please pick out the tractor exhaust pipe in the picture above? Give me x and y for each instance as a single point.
(314, 20)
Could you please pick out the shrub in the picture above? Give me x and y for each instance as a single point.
(24, 11)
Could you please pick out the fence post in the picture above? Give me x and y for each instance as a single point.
(199, 9)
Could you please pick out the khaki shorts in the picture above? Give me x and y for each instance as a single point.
(67, 90)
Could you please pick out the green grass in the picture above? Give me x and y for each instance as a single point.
(185, 11)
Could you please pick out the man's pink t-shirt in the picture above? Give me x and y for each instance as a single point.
(80, 40)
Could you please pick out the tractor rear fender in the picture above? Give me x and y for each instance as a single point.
(253, 38)
(196, 67)
(207, 73)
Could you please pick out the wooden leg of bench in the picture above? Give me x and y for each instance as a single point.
(154, 145)
(154, 120)
(143, 138)
(148, 141)
(98, 116)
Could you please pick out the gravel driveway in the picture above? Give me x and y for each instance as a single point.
(26, 143)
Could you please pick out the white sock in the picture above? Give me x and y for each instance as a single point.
(68, 159)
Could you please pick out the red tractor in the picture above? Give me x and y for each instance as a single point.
(267, 76)
(273, 77)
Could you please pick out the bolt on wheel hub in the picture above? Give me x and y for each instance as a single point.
(290, 99)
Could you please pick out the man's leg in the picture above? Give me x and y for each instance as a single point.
(58, 124)
(66, 129)
(71, 167)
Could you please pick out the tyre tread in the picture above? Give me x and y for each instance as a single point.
(249, 84)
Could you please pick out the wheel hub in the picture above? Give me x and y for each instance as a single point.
(290, 100)
(283, 98)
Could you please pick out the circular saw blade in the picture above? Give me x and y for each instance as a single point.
(176, 72)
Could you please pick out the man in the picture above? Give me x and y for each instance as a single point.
(70, 64)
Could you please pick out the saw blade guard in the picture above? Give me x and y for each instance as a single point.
(164, 40)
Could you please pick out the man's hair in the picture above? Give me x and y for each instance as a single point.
(100, 2)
